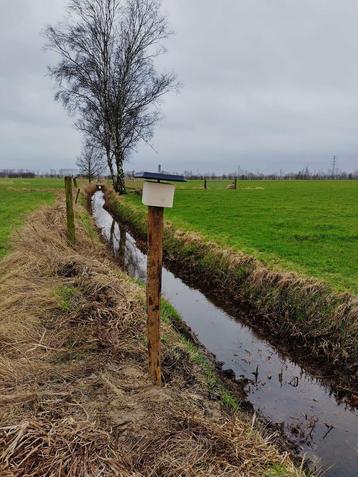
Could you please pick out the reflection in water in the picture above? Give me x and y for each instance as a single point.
(118, 241)
(308, 411)
(122, 244)
(111, 236)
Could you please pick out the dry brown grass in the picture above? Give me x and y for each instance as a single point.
(75, 399)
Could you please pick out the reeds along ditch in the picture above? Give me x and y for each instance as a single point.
(303, 310)
(75, 398)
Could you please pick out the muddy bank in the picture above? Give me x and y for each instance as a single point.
(312, 320)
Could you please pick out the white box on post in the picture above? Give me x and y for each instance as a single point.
(158, 194)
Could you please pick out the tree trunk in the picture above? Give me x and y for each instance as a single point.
(119, 183)
(111, 169)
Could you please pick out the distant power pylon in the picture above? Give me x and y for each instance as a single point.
(334, 162)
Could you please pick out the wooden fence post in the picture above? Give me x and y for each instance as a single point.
(154, 286)
(77, 195)
(205, 184)
(75, 182)
(235, 183)
(71, 237)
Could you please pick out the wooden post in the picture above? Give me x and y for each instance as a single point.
(75, 182)
(69, 211)
(77, 195)
(205, 184)
(235, 183)
(154, 286)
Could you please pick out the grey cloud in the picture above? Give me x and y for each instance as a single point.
(35, 132)
(267, 84)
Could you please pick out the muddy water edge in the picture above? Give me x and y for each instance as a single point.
(323, 425)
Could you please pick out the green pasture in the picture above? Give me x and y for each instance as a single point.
(306, 226)
(18, 198)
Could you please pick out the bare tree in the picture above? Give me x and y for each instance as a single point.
(91, 162)
(107, 74)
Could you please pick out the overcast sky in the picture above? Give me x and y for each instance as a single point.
(267, 85)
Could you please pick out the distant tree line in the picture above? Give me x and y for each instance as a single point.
(304, 174)
(92, 167)
(13, 173)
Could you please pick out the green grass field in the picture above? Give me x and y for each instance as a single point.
(306, 226)
(18, 198)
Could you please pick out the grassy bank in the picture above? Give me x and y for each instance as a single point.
(75, 399)
(299, 309)
(306, 226)
(18, 198)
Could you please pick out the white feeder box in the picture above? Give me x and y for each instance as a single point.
(157, 193)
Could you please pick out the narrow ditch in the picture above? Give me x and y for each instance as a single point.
(325, 428)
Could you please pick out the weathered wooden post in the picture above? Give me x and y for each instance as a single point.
(71, 236)
(154, 287)
(156, 195)
(205, 184)
(77, 195)
(235, 183)
(75, 182)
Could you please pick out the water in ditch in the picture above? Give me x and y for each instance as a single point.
(324, 428)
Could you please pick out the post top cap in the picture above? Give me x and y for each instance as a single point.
(157, 176)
